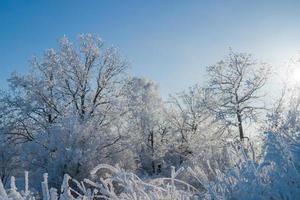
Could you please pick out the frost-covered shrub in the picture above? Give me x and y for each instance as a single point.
(9, 159)
(117, 184)
(274, 177)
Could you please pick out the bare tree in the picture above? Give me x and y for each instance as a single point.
(192, 123)
(236, 84)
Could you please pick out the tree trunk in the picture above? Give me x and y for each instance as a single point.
(239, 117)
(152, 150)
(241, 131)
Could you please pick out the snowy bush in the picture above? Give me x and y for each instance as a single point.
(118, 184)
(274, 177)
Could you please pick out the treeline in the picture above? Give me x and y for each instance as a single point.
(78, 107)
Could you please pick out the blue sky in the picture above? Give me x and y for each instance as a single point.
(169, 41)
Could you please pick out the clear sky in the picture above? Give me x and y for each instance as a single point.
(169, 41)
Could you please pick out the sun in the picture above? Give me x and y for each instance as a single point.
(296, 75)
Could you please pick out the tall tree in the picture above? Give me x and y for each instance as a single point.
(145, 121)
(71, 95)
(236, 83)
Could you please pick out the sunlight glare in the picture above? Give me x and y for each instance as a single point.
(296, 75)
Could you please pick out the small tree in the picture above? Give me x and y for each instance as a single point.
(195, 130)
(236, 84)
(145, 121)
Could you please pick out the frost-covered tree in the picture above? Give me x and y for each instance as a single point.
(197, 135)
(236, 83)
(71, 95)
(10, 160)
(145, 121)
